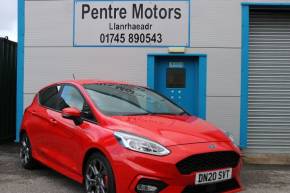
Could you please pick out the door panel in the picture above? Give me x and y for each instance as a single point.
(59, 140)
(176, 78)
(40, 121)
(63, 141)
(38, 126)
(64, 134)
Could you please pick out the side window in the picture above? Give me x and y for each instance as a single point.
(48, 97)
(71, 97)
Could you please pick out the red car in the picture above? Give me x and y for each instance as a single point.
(120, 138)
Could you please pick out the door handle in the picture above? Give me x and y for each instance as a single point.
(53, 121)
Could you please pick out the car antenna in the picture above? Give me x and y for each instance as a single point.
(74, 76)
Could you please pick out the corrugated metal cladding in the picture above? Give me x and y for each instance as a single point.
(7, 89)
(269, 80)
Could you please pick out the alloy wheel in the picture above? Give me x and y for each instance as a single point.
(25, 150)
(96, 178)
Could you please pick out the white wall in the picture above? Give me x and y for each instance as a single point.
(215, 31)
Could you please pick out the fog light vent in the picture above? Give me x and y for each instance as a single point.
(149, 186)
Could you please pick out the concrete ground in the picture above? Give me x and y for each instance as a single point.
(14, 179)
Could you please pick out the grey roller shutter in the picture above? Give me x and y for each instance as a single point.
(269, 81)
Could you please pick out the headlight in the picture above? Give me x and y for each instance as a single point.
(140, 144)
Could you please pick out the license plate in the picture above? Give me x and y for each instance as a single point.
(213, 176)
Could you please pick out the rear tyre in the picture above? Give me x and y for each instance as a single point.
(26, 158)
(98, 175)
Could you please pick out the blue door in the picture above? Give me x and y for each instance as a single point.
(177, 78)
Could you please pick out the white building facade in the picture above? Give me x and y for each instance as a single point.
(227, 61)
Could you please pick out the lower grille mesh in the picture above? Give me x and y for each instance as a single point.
(213, 188)
(208, 161)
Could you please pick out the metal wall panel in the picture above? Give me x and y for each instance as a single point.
(269, 80)
(223, 71)
(214, 23)
(215, 31)
(50, 23)
(223, 68)
(59, 63)
(8, 90)
(224, 112)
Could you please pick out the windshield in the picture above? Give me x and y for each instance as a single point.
(124, 100)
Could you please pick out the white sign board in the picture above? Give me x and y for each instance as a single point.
(128, 23)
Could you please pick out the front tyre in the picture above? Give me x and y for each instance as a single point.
(98, 175)
(26, 158)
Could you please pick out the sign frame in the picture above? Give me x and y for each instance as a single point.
(132, 46)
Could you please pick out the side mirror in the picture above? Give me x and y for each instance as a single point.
(72, 114)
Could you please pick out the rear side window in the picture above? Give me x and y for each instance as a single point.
(48, 97)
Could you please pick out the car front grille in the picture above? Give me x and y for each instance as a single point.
(208, 161)
(213, 188)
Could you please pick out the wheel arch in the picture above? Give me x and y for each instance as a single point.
(22, 131)
(88, 153)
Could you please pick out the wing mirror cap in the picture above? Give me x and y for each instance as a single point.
(72, 114)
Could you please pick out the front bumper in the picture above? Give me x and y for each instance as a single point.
(130, 167)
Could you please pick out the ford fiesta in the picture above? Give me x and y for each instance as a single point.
(121, 138)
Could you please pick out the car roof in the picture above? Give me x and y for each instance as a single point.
(82, 82)
(90, 81)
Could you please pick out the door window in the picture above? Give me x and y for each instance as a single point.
(71, 97)
(175, 78)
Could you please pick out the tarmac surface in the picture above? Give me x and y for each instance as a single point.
(15, 179)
